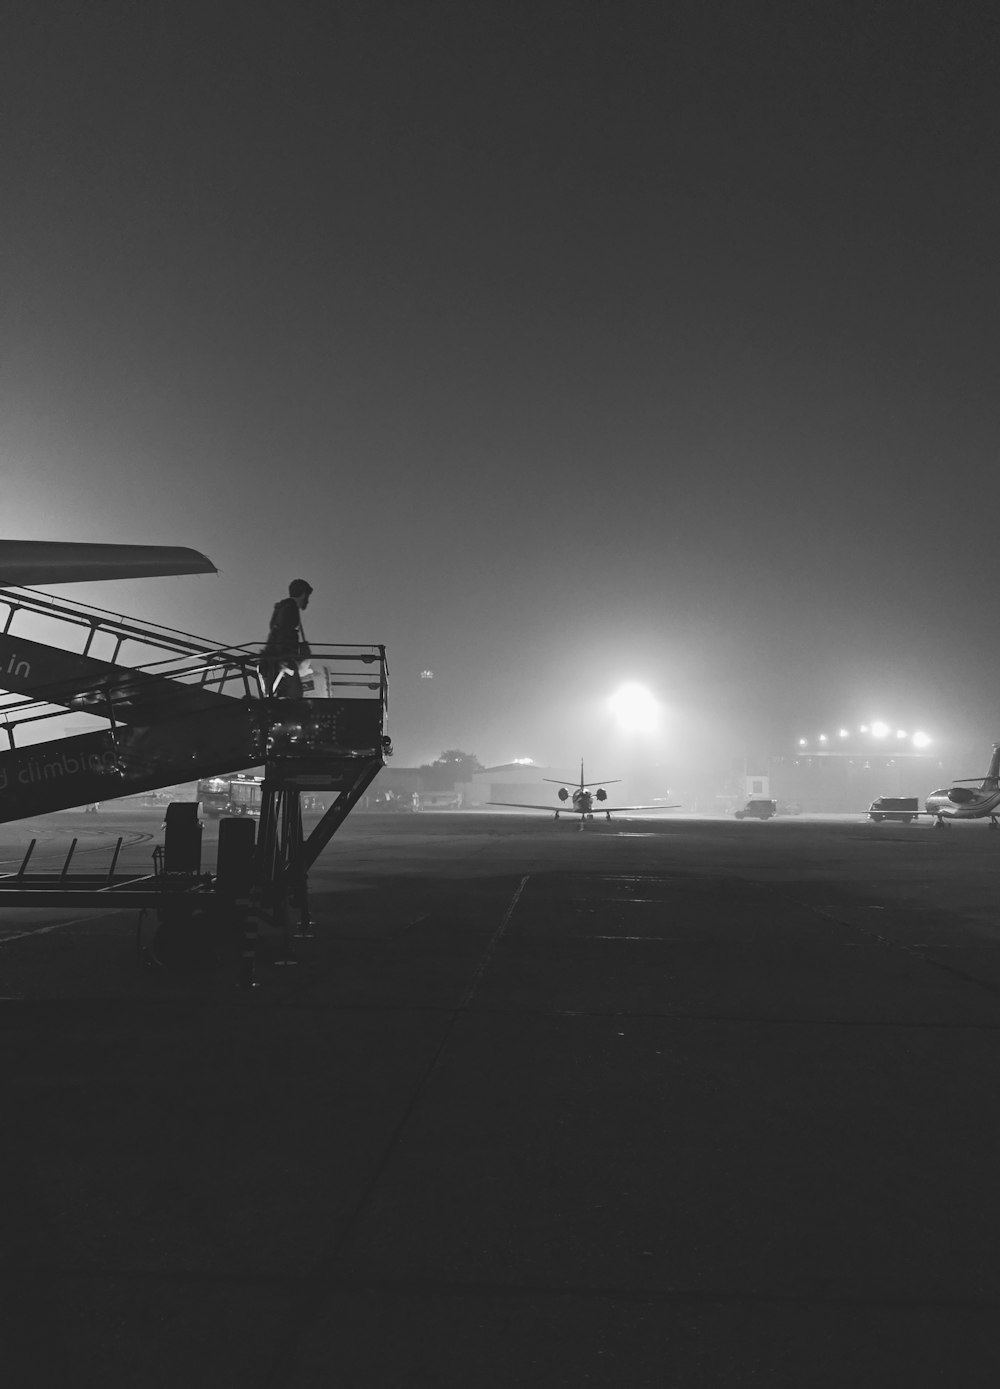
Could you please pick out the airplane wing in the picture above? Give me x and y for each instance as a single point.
(27, 563)
(518, 805)
(622, 809)
(568, 781)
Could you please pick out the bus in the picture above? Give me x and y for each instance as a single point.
(230, 795)
(213, 792)
(245, 795)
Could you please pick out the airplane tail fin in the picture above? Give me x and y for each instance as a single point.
(583, 784)
(562, 783)
(992, 778)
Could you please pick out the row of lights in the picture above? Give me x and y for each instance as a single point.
(878, 729)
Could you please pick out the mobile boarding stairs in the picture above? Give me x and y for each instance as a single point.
(187, 710)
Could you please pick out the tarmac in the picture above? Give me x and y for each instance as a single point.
(668, 1102)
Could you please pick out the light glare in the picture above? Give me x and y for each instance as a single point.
(635, 708)
(879, 729)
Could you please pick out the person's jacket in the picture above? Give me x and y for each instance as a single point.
(285, 639)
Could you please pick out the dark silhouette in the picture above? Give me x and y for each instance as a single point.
(286, 644)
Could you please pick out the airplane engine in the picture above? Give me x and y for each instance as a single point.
(563, 794)
(602, 795)
(961, 795)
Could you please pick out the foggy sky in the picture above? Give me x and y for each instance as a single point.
(553, 344)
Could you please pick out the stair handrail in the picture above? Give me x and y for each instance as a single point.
(81, 614)
(221, 665)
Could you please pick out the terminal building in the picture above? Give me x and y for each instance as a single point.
(512, 781)
(850, 781)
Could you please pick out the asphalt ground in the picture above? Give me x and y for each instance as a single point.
(665, 1102)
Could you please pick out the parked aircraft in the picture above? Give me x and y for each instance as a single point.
(583, 801)
(964, 802)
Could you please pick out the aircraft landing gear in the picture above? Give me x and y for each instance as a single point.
(993, 822)
(941, 824)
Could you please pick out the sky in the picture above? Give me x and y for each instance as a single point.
(555, 344)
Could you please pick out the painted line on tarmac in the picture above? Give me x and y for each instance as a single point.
(45, 930)
(494, 942)
(309, 1307)
(661, 940)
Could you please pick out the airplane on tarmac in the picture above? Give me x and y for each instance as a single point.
(965, 802)
(584, 801)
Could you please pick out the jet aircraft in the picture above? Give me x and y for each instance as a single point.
(583, 801)
(965, 802)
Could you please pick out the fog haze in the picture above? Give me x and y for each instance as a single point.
(555, 347)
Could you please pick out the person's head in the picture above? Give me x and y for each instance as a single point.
(300, 591)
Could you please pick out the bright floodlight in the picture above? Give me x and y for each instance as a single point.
(803, 743)
(900, 732)
(843, 733)
(635, 709)
(921, 740)
(823, 738)
(879, 729)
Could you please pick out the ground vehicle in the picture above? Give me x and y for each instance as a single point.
(213, 792)
(389, 800)
(757, 808)
(230, 795)
(903, 809)
(245, 793)
(439, 800)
